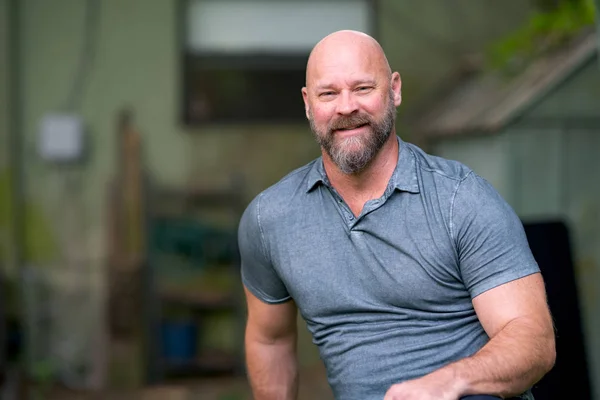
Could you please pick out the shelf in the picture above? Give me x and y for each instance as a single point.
(210, 362)
(192, 231)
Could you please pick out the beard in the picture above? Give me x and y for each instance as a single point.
(353, 154)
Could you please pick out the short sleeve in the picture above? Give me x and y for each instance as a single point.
(258, 274)
(490, 238)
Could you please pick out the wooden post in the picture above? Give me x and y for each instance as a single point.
(126, 240)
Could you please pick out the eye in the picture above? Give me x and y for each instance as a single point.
(364, 88)
(326, 94)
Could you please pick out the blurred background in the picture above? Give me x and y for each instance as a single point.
(133, 133)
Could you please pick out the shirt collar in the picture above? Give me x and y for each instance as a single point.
(316, 175)
(404, 177)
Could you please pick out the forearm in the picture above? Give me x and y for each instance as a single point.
(510, 363)
(272, 368)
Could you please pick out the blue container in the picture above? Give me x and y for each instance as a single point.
(179, 341)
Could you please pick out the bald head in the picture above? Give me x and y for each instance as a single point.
(346, 48)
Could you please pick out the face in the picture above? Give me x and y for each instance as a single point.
(351, 106)
(352, 141)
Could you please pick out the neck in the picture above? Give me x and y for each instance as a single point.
(370, 182)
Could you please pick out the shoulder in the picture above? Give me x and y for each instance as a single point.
(459, 191)
(455, 175)
(467, 192)
(438, 167)
(439, 178)
(278, 199)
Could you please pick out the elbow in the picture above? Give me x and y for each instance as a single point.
(548, 355)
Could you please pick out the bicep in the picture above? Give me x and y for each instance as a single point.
(270, 322)
(520, 298)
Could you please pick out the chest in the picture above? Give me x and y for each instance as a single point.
(396, 257)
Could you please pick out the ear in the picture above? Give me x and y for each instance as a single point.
(306, 106)
(396, 85)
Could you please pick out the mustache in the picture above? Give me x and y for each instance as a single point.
(349, 122)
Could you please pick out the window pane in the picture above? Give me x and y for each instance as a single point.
(233, 92)
(242, 26)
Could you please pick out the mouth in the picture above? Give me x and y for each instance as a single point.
(351, 129)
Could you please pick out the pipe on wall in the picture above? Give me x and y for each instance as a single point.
(16, 166)
(15, 136)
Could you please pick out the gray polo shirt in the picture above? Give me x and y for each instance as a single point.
(386, 295)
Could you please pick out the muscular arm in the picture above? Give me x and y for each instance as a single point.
(270, 340)
(522, 347)
(520, 351)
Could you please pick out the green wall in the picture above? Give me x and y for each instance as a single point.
(578, 97)
(137, 64)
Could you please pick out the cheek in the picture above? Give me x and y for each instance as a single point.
(321, 116)
(375, 106)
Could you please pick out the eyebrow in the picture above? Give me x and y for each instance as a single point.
(358, 82)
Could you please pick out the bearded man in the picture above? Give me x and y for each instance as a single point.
(413, 275)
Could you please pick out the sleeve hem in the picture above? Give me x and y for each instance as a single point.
(261, 295)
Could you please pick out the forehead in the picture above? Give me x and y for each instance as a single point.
(344, 65)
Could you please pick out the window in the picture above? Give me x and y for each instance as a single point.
(244, 60)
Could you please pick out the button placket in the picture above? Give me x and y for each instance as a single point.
(348, 214)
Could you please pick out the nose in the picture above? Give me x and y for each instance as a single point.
(346, 103)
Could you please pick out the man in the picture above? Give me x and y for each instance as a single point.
(413, 275)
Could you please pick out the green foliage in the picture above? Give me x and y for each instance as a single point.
(40, 244)
(4, 198)
(43, 374)
(544, 31)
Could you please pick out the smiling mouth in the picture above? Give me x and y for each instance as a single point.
(351, 128)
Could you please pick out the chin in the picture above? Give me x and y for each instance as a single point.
(350, 145)
(351, 151)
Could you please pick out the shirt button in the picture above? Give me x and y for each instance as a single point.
(351, 218)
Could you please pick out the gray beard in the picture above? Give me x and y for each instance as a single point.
(352, 155)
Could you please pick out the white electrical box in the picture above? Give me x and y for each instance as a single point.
(61, 138)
